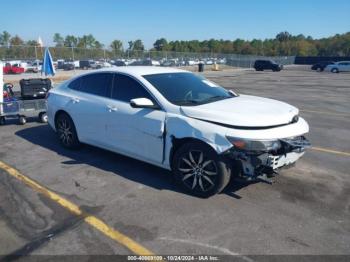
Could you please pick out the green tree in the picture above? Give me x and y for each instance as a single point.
(86, 41)
(160, 44)
(283, 36)
(70, 41)
(131, 44)
(5, 38)
(138, 45)
(98, 45)
(16, 40)
(58, 40)
(32, 43)
(117, 45)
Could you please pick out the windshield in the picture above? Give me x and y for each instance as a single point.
(187, 88)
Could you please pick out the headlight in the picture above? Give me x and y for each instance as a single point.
(254, 145)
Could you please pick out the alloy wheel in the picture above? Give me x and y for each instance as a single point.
(199, 172)
(65, 132)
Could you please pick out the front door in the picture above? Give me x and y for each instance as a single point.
(137, 132)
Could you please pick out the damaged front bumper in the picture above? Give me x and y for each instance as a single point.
(255, 163)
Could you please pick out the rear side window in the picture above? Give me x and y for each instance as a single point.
(125, 88)
(75, 84)
(99, 84)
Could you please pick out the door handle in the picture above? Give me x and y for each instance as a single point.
(75, 100)
(112, 109)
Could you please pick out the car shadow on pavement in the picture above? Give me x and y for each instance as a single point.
(120, 165)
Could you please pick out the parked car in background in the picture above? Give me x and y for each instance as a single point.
(190, 62)
(118, 63)
(341, 66)
(85, 64)
(104, 64)
(34, 67)
(67, 66)
(146, 62)
(179, 121)
(221, 61)
(261, 65)
(13, 69)
(170, 63)
(320, 66)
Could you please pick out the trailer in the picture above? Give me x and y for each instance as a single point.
(31, 102)
(22, 109)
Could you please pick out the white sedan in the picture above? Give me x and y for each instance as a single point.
(179, 121)
(342, 66)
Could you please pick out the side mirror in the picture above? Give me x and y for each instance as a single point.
(142, 103)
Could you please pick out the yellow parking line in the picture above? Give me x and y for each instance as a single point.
(330, 151)
(73, 208)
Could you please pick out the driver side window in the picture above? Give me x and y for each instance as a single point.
(125, 88)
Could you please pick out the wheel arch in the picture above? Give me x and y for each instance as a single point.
(59, 112)
(182, 129)
(334, 68)
(176, 143)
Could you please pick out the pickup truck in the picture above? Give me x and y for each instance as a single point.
(12, 69)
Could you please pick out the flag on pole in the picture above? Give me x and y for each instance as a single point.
(47, 67)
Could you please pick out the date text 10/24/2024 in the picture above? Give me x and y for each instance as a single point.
(173, 258)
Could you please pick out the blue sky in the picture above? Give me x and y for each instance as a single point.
(173, 19)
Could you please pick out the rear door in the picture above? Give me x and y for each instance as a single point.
(88, 106)
(137, 132)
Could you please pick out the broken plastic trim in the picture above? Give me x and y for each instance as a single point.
(297, 142)
(256, 164)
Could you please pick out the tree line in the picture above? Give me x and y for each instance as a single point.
(284, 44)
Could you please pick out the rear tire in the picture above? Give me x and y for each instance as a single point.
(199, 170)
(66, 131)
(2, 120)
(43, 117)
(335, 70)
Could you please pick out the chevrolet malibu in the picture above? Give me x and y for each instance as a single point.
(179, 121)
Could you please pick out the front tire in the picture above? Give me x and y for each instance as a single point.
(199, 170)
(66, 131)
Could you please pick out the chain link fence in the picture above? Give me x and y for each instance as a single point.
(166, 58)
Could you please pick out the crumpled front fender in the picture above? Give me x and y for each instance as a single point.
(184, 127)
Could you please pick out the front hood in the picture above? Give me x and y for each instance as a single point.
(244, 111)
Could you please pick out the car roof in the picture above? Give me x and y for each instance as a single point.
(142, 70)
